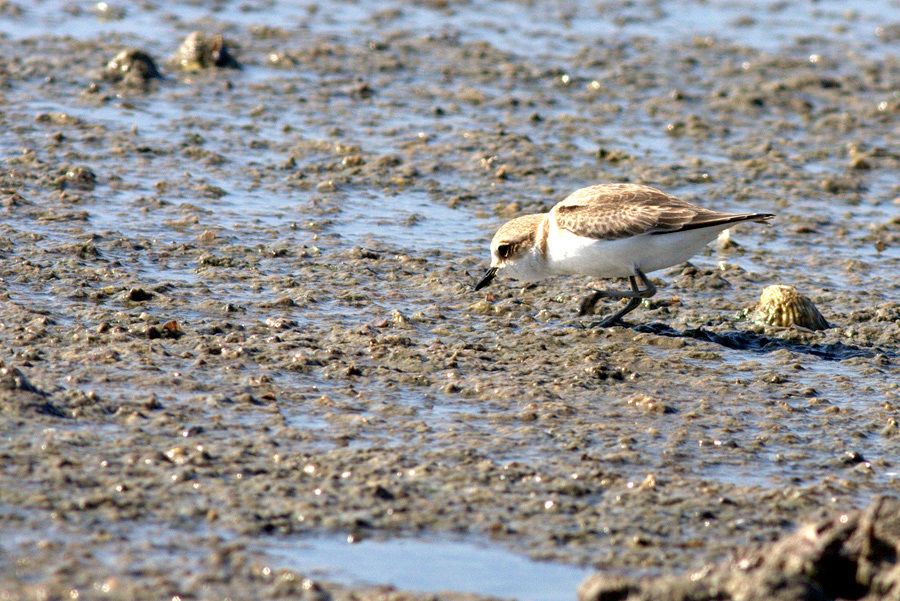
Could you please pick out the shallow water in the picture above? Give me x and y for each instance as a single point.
(407, 220)
(431, 566)
(508, 25)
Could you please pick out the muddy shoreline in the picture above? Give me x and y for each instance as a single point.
(216, 333)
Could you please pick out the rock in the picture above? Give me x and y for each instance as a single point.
(79, 178)
(725, 241)
(138, 295)
(170, 329)
(481, 307)
(199, 51)
(851, 556)
(58, 118)
(131, 67)
(601, 587)
(326, 186)
(700, 279)
(12, 378)
(784, 306)
(857, 158)
(18, 396)
(399, 319)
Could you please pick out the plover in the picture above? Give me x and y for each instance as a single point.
(608, 231)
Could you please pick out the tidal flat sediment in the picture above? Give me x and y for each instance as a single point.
(236, 305)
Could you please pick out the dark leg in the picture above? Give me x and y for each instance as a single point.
(636, 295)
(616, 318)
(587, 305)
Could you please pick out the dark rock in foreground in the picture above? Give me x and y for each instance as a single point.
(852, 556)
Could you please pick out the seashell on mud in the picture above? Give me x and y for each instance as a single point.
(131, 66)
(784, 306)
(199, 51)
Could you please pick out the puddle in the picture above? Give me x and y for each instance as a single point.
(428, 566)
(432, 566)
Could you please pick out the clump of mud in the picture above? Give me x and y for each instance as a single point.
(851, 556)
(199, 51)
(784, 306)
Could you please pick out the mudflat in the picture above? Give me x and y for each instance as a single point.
(236, 305)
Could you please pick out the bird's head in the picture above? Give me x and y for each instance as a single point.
(511, 248)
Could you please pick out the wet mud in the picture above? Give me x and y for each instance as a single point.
(236, 305)
(852, 556)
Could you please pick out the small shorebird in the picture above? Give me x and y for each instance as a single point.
(608, 231)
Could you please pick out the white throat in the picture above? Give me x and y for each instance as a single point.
(531, 267)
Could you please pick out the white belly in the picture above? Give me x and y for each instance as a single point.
(568, 253)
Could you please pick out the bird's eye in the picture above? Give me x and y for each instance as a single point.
(503, 251)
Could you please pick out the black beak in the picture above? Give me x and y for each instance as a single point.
(488, 276)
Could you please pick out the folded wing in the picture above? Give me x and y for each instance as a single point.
(614, 211)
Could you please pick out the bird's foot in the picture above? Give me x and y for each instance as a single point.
(610, 322)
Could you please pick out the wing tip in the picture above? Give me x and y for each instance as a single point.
(724, 219)
(761, 217)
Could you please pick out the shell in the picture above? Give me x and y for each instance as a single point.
(131, 66)
(784, 306)
(199, 51)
